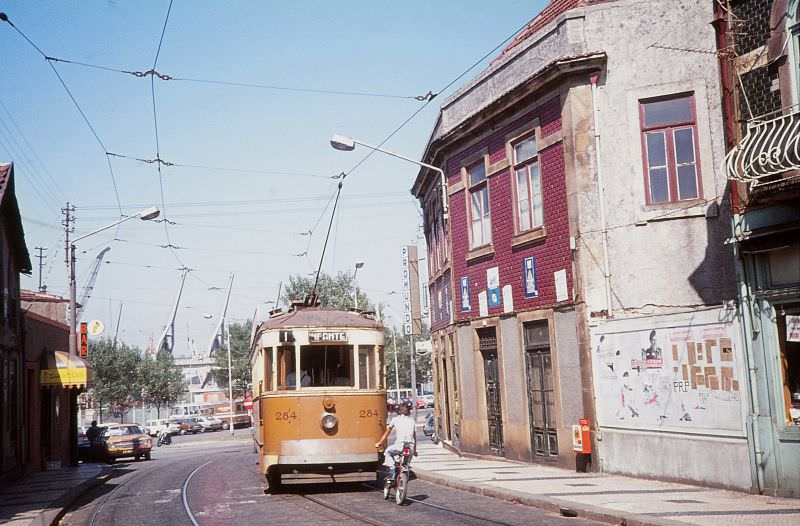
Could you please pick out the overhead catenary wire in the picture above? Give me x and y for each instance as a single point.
(4, 18)
(153, 74)
(49, 176)
(427, 100)
(218, 168)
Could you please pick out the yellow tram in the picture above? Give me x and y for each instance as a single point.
(319, 397)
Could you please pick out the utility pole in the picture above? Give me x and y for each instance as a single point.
(69, 228)
(41, 257)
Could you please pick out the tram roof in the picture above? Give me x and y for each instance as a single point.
(320, 317)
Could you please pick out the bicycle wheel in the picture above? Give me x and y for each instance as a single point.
(387, 485)
(402, 487)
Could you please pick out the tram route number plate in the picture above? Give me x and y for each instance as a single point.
(327, 337)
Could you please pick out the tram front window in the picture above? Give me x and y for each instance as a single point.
(328, 365)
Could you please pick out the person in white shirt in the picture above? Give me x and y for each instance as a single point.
(163, 432)
(405, 431)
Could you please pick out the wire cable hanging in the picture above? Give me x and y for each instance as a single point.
(4, 18)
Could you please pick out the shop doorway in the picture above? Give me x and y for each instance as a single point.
(487, 343)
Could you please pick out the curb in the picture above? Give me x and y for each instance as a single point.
(58, 508)
(558, 506)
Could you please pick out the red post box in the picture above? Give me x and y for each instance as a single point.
(581, 437)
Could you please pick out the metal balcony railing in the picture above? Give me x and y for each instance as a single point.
(769, 150)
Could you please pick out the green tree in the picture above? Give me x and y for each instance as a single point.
(162, 381)
(335, 292)
(241, 373)
(116, 371)
(396, 341)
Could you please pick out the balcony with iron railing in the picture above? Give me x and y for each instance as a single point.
(768, 157)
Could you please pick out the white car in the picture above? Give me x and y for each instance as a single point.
(151, 427)
(210, 423)
(429, 400)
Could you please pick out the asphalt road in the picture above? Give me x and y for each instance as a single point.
(212, 479)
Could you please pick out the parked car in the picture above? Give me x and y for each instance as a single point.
(428, 427)
(421, 403)
(211, 423)
(125, 440)
(188, 425)
(429, 400)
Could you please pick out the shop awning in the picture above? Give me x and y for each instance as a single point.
(64, 370)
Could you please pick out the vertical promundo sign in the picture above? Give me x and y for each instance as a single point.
(412, 322)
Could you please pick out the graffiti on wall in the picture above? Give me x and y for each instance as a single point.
(678, 378)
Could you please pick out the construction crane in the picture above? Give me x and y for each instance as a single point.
(218, 337)
(87, 290)
(166, 341)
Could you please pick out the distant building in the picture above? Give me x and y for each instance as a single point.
(14, 259)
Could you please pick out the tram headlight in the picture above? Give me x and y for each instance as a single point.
(329, 422)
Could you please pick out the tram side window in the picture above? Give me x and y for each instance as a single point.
(381, 370)
(327, 365)
(267, 383)
(286, 368)
(366, 366)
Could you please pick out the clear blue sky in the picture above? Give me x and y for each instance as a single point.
(228, 220)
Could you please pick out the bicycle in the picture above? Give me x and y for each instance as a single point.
(402, 462)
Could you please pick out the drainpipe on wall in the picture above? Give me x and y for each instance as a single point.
(748, 333)
(601, 196)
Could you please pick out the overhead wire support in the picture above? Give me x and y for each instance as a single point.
(153, 74)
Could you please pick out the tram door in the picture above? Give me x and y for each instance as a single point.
(487, 343)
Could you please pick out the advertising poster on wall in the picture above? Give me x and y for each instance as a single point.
(529, 277)
(493, 286)
(677, 378)
(466, 306)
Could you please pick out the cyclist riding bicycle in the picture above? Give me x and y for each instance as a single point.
(405, 432)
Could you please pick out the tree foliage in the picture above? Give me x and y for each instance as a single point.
(241, 373)
(335, 292)
(124, 379)
(162, 381)
(395, 342)
(115, 369)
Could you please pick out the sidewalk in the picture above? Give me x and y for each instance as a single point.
(40, 498)
(609, 498)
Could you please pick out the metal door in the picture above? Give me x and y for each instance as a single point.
(541, 397)
(487, 340)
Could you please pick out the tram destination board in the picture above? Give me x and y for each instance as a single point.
(327, 337)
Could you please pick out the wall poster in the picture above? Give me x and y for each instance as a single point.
(678, 378)
(529, 277)
(466, 306)
(493, 286)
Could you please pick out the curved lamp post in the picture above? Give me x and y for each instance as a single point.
(347, 144)
(144, 215)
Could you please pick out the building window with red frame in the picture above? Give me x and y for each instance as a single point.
(530, 207)
(480, 218)
(669, 141)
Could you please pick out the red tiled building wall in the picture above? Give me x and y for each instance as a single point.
(552, 253)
